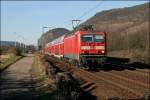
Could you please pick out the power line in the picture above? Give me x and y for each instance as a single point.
(90, 10)
(87, 12)
(84, 14)
(23, 38)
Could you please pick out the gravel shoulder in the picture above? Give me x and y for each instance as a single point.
(16, 80)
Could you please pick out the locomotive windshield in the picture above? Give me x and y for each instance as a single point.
(98, 38)
(87, 38)
(92, 38)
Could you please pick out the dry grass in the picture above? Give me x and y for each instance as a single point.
(8, 59)
(43, 84)
(135, 55)
(38, 69)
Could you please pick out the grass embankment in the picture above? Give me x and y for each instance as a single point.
(58, 86)
(42, 83)
(7, 60)
(38, 68)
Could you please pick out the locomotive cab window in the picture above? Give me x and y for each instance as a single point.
(92, 38)
(87, 38)
(98, 38)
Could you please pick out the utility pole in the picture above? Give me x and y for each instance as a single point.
(42, 40)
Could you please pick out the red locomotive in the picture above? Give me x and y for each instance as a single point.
(82, 47)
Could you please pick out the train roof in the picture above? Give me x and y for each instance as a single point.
(74, 32)
(58, 40)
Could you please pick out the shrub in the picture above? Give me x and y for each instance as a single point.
(15, 51)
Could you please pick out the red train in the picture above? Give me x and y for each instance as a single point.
(81, 47)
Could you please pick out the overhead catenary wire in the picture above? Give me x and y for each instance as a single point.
(22, 37)
(87, 12)
(90, 10)
(84, 14)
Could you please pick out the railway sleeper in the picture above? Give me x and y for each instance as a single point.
(66, 87)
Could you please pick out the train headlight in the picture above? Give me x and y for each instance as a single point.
(103, 51)
(85, 47)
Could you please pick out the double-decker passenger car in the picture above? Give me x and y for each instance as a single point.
(56, 47)
(82, 47)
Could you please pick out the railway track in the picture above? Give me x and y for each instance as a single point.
(131, 85)
(139, 73)
(143, 79)
(128, 80)
(143, 70)
(108, 84)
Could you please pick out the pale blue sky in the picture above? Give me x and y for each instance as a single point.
(23, 20)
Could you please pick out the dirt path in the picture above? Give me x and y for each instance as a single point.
(16, 81)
